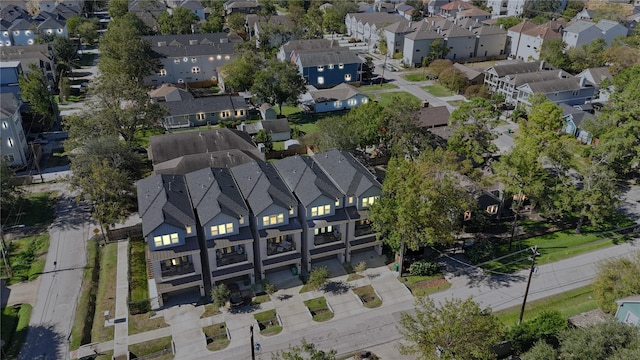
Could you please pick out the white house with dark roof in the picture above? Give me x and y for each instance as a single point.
(277, 129)
(367, 26)
(417, 46)
(527, 38)
(321, 209)
(340, 97)
(568, 90)
(15, 150)
(223, 224)
(189, 58)
(500, 77)
(203, 111)
(360, 190)
(169, 227)
(274, 212)
(461, 43)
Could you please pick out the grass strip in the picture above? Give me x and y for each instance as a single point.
(156, 346)
(216, 336)
(368, 296)
(106, 294)
(13, 328)
(85, 309)
(319, 309)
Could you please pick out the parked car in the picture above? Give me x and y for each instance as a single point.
(390, 68)
(506, 106)
(235, 298)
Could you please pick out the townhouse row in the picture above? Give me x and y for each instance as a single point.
(243, 223)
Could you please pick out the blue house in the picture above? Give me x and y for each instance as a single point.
(340, 97)
(328, 68)
(195, 7)
(629, 310)
(574, 120)
(5, 35)
(23, 32)
(10, 72)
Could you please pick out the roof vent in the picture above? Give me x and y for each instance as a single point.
(162, 43)
(193, 42)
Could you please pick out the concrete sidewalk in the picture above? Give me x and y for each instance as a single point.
(121, 323)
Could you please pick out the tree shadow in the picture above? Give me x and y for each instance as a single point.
(42, 343)
(336, 287)
(459, 266)
(70, 215)
(283, 297)
(373, 276)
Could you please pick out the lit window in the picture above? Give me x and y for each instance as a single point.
(210, 58)
(365, 100)
(337, 202)
(163, 72)
(320, 80)
(219, 57)
(176, 61)
(200, 116)
(337, 103)
(241, 220)
(492, 209)
(320, 68)
(350, 199)
(273, 219)
(17, 32)
(188, 229)
(195, 70)
(60, 31)
(185, 59)
(239, 112)
(10, 141)
(221, 229)
(28, 32)
(227, 57)
(194, 59)
(291, 211)
(30, 42)
(49, 31)
(225, 114)
(347, 77)
(6, 33)
(165, 240)
(340, 66)
(330, 66)
(352, 102)
(368, 201)
(5, 125)
(321, 210)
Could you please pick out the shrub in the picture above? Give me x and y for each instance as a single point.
(220, 295)
(540, 351)
(139, 307)
(424, 268)
(545, 326)
(481, 251)
(362, 266)
(268, 287)
(318, 277)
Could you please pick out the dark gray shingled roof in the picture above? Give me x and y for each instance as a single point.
(210, 104)
(164, 199)
(554, 85)
(217, 159)
(261, 186)
(512, 67)
(171, 146)
(191, 44)
(306, 179)
(349, 175)
(213, 191)
(329, 57)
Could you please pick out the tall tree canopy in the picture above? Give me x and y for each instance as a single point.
(180, 21)
(422, 201)
(278, 83)
(458, 329)
(34, 89)
(616, 279)
(240, 72)
(472, 123)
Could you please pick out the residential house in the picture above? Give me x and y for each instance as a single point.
(205, 111)
(574, 123)
(490, 41)
(53, 26)
(242, 7)
(267, 112)
(329, 68)
(406, 11)
(628, 311)
(367, 26)
(461, 43)
(568, 90)
(340, 97)
(321, 209)
(169, 92)
(584, 32)
(223, 224)
(451, 9)
(360, 190)
(275, 39)
(492, 203)
(277, 129)
(23, 32)
(10, 72)
(417, 46)
(169, 226)
(526, 40)
(190, 58)
(274, 217)
(195, 7)
(5, 33)
(585, 14)
(474, 14)
(434, 6)
(498, 8)
(39, 54)
(148, 11)
(473, 76)
(395, 34)
(15, 150)
(500, 77)
(184, 152)
(298, 46)
(597, 76)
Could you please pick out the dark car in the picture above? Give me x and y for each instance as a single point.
(235, 297)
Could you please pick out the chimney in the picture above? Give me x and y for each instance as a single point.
(560, 74)
(583, 82)
(542, 64)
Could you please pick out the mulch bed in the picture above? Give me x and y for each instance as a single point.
(429, 283)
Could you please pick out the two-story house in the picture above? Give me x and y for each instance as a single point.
(461, 43)
(583, 32)
(169, 227)
(306, 45)
(23, 32)
(500, 77)
(339, 97)
(195, 7)
(329, 68)
(366, 26)
(599, 77)
(190, 58)
(274, 217)
(5, 33)
(360, 190)
(10, 72)
(562, 90)
(321, 209)
(527, 38)
(574, 123)
(242, 7)
(15, 150)
(205, 111)
(223, 224)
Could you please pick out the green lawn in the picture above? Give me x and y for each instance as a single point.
(307, 122)
(368, 296)
(106, 294)
(142, 137)
(415, 77)
(145, 322)
(287, 110)
(260, 299)
(14, 323)
(153, 346)
(268, 322)
(210, 310)
(437, 90)
(425, 285)
(216, 336)
(27, 257)
(35, 209)
(569, 304)
(138, 285)
(85, 309)
(278, 145)
(375, 87)
(319, 309)
(386, 99)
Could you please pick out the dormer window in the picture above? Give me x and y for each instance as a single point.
(341, 66)
(165, 240)
(188, 228)
(200, 116)
(291, 211)
(321, 210)
(320, 68)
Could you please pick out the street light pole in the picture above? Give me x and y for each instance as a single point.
(526, 292)
(253, 348)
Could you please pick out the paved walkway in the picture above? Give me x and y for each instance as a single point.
(121, 331)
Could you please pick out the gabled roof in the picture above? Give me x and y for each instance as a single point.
(579, 26)
(523, 26)
(577, 115)
(456, 5)
(167, 89)
(171, 146)
(598, 75)
(12, 12)
(191, 44)
(423, 35)
(402, 26)
(542, 75)
(457, 32)
(9, 105)
(310, 44)
(192, 5)
(469, 72)
(215, 159)
(306, 179)
(473, 12)
(488, 30)
(164, 199)
(210, 104)
(433, 116)
(544, 31)
(380, 19)
(261, 186)
(339, 92)
(276, 125)
(349, 175)
(606, 25)
(22, 24)
(630, 299)
(555, 85)
(329, 57)
(51, 23)
(143, 6)
(512, 67)
(213, 191)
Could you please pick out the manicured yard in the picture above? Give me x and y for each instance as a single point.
(278, 145)
(307, 122)
(268, 322)
(85, 310)
(27, 257)
(210, 310)
(319, 309)
(570, 303)
(106, 295)
(144, 322)
(375, 87)
(368, 296)
(260, 299)
(415, 77)
(425, 285)
(35, 209)
(386, 99)
(437, 90)
(153, 347)
(287, 110)
(138, 285)
(216, 335)
(14, 323)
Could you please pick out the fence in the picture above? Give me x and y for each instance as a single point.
(301, 150)
(123, 233)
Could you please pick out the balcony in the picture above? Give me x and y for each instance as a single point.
(280, 246)
(363, 229)
(326, 238)
(177, 270)
(226, 257)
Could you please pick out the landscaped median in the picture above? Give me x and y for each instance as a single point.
(268, 322)
(319, 309)
(368, 296)
(217, 336)
(157, 349)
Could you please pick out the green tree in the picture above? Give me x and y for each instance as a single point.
(545, 327)
(436, 67)
(34, 90)
(118, 8)
(587, 56)
(65, 52)
(318, 277)
(540, 351)
(73, 23)
(458, 329)
(422, 201)
(552, 51)
(264, 138)
(212, 25)
(437, 50)
(124, 52)
(304, 351)
(600, 341)
(616, 279)
(88, 31)
(332, 23)
(64, 87)
(572, 9)
(235, 22)
(367, 69)
(240, 72)
(220, 295)
(508, 22)
(10, 194)
(313, 23)
(472, 137)
(546, 9)
(278, 83)
(180, 21)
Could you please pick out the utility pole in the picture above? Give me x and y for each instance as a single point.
(36, 161)
(253, 348)
(384, 66)
(526, 292)
(515, 216)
